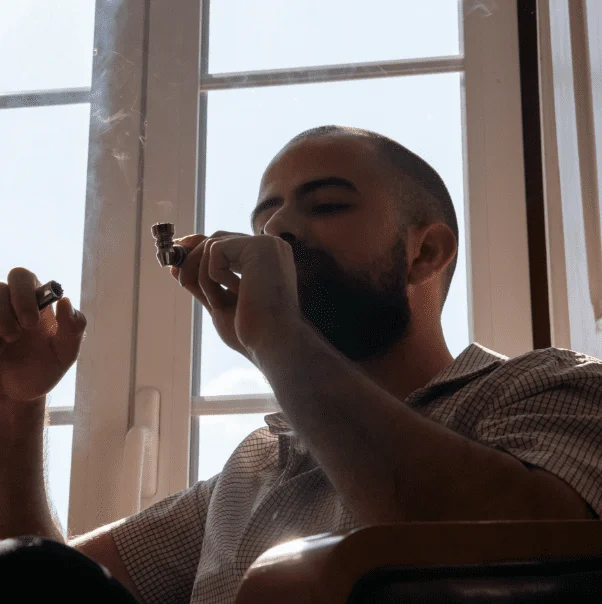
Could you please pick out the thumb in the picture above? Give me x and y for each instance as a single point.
(70, 331)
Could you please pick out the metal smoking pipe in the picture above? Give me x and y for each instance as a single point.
(168, 254)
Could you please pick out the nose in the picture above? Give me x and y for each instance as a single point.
(288, 224)
(285, 221)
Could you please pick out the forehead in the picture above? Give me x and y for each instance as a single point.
(341, 155)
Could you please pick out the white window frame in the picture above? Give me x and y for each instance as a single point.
(571, 115)
(147, 154)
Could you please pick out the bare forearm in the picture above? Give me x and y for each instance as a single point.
(345, 419)
(389, 463)
(24, 508)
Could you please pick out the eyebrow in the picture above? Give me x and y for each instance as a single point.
(301, 191)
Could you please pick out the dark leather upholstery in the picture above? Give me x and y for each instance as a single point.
(575, 580)
(38, 570)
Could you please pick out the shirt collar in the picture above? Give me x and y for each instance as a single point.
(278, 424)
(473, 361)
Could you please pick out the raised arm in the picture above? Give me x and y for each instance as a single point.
(36, 350)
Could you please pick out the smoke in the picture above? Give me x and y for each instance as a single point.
(484, 7)
(117, 125)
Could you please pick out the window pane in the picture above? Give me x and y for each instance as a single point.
(43, 165)
(219, 435)
(58, 440)
(318, 32)
(246, 128)
(46, 45)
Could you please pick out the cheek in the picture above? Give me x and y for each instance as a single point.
(367, 242)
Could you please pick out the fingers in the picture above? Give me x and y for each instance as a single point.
(215, 295)
(195, 277)
(10, 330)
(219, 269)
(70, 332)
(190, 242)
(189, 271)
(22, 285)
(187, 274)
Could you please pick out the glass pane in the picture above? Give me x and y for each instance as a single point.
(246, 128)
(46, 45)
(43, 166)
(219, 435)
(58, 441)
(271, 34)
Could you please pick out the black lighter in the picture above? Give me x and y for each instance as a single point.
(48, 293)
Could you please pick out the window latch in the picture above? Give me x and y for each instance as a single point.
(141, 453)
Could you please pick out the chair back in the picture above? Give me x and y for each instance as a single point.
(419, 562)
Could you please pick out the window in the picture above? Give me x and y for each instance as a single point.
(246, 127)
(43, 159)
(397, 69)
(571, 135)
(178, 100)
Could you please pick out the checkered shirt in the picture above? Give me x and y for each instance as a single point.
(543, 407)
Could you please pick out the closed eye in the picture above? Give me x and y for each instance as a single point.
(327, 207)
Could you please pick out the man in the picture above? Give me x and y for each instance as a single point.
(339, 304)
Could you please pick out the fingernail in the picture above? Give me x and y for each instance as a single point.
(71, 309)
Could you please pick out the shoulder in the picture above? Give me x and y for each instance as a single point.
(557, 364)
(256, 452)
(550, 372)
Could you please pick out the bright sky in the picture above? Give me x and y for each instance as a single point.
(43, 151)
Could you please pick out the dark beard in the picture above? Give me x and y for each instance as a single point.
(361, 320)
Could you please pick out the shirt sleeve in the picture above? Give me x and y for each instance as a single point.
(161, 545)
(550, 416)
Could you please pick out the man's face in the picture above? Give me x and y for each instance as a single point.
(351, 260)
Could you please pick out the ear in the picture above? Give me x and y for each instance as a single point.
(430, 248)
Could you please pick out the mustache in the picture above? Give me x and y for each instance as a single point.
(302, 255)
(316, 260)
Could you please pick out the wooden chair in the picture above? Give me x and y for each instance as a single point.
(434, 562)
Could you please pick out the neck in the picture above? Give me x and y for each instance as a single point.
(412, 363)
